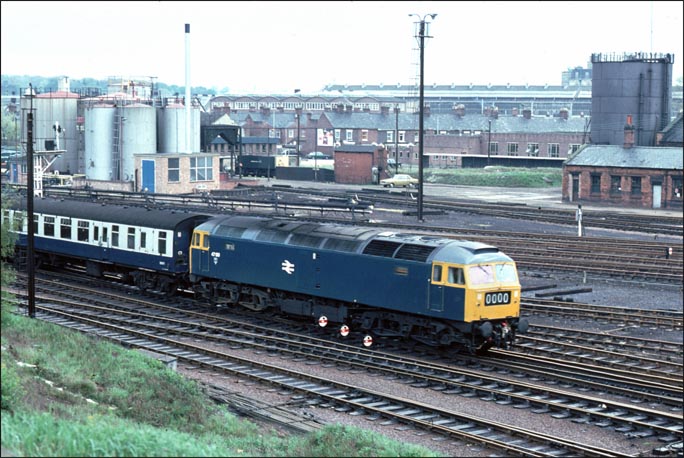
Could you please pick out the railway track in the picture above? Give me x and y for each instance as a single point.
(488, 388)
(377, 405)
(626, 316)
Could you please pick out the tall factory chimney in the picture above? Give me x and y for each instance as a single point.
(188, 101)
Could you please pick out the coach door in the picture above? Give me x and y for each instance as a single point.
(101, 239)
(436, 288)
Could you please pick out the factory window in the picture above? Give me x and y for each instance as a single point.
(364, 135)
(554, 149)
(83, 230)
(512, 149)
(402, 136)
(162, 243)
(201, 169)
(338, 132)
(65, 228)
(49, 226)
(574, 147)
(636, 186)
(174, 170)
(349, 135)
(677, 188)
(533, 149)
(615, 187)
(595, 184)
(494, 148)
(390, 136)
(131, 238)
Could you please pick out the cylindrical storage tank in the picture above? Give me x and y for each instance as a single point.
(171, 125)
(99, 141)
(48, 109)
(138, 136)
(630, 84)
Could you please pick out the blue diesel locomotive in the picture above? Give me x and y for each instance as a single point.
(431, 289)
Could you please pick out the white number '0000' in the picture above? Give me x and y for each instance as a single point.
(497, 298)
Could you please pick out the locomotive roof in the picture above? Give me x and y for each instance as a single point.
(121, 214)
(353, 239)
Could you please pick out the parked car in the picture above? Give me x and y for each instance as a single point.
(317, 155)
(399, 179)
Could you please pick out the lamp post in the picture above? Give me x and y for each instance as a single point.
(421, 39)
(30, 267)
(396, 139)
(298, 120)
(489, 141)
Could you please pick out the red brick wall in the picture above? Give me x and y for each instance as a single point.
(623, 198)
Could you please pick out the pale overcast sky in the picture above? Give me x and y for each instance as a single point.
(276, 47)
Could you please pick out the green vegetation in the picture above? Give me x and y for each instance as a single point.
(507, 177)
(68, 394)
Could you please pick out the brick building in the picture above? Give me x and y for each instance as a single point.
(627, 175)
(360, 164)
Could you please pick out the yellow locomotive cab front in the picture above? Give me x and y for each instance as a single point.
(493, 292)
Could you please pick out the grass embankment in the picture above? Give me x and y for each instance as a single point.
(68, 394)
(492, 176)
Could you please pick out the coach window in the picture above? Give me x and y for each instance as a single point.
(35, 224)
(143, 239)
(82, 232)
(115, 235)
(65, 228)
(131, 238)
(104, 234)
(455, 276)
(49, 226)
(18, 221)
(161, 243)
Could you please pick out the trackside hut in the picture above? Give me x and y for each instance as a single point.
(636, 176)
(360, 164)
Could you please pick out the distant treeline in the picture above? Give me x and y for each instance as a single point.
(15, 84)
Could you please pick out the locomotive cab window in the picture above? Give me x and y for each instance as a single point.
(437, 270)
(200, 240)
(506, 273)
(455, 276)
(481, 274)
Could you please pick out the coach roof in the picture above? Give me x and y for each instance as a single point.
(119, 214)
